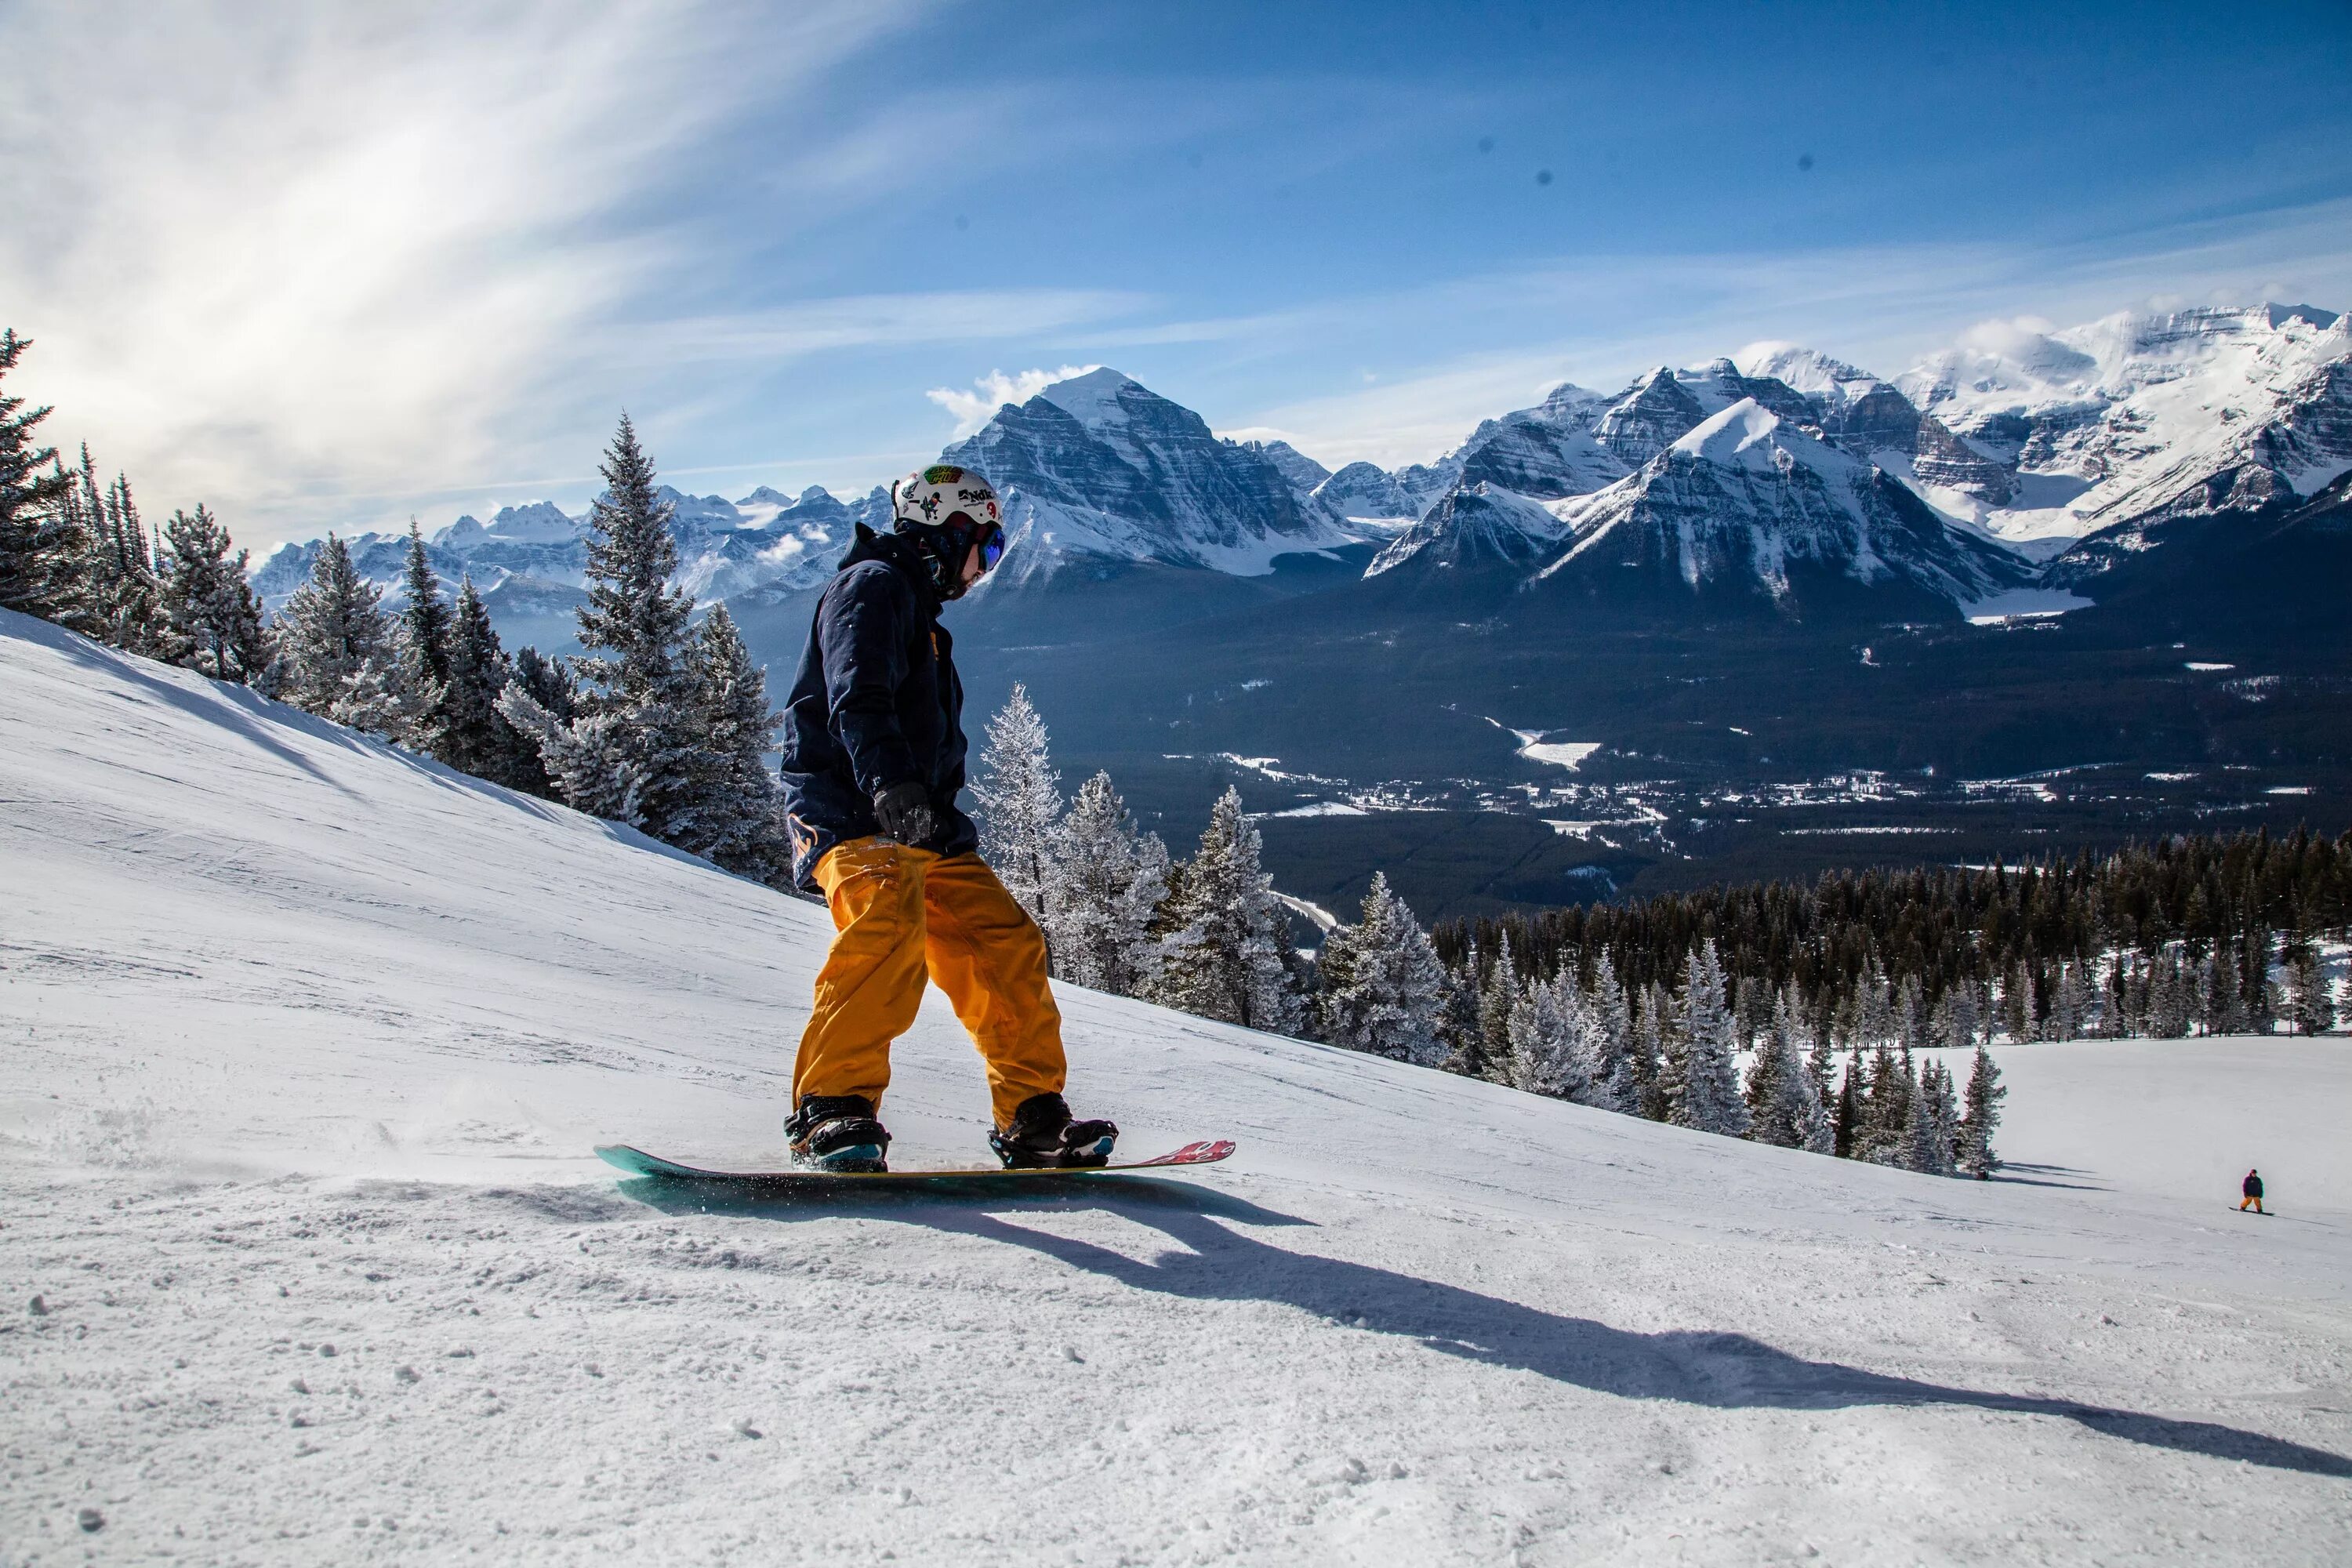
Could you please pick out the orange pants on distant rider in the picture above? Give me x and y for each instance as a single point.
(898, 914)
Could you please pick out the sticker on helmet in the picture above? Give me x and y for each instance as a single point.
(941, 474)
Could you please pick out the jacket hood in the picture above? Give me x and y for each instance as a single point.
(903, 554)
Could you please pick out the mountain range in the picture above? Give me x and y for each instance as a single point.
(1822, 569)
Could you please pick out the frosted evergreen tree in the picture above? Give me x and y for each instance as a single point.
(2016, 1005)
(1655, 1045)
(425, 626)
(1499, 991)
(632, 754)
(211, 617)
(1020, 799)
(1930, 1123)
(123, 590)
(2070, 1005)
(1547, 1054)
(43, 552)
(475, 737)
(1983, 1099)
(1709, 1101)
(1457, 1018)
(1784, 1105)
(2310, 1000)
(1617, 1075)
(341, 651)
(1223, 931)
(1875, 1019)
(1382, 984)
(1886, 1109)
(1106, 879)
(737, 817)
(1913, 1019)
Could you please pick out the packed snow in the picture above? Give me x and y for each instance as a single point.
(303, 1256)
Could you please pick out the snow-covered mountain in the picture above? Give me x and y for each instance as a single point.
(1746, 498)
(1100, 467)
(305, 1257)
(533, 559)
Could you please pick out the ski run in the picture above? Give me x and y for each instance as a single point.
(304, 1256)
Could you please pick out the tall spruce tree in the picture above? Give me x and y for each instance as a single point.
(43, 552)
(737, 819)
(1382, 985)
(1020, 799)
(1709, 1101)
(475, 737)
(1107, 878)
(1222, 929)
(1549, 1032)
(426, 626)
(342, 651)
(630, 753)
(212, 619)
(1985, 1093)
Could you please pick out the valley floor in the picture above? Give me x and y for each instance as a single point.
(303, 1258)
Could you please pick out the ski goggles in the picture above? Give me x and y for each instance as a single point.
(988, 537)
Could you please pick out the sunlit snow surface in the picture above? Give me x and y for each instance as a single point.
(307, 1041)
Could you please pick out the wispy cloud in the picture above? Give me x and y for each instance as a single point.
(267, 249)
(991, 392)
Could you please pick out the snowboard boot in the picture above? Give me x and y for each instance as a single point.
(836, 1133)
(1043, 1136)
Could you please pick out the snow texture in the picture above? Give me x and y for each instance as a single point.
(303, 1256)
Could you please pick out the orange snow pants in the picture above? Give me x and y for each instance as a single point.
(897, 913)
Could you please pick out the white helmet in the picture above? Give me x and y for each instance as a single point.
(948, 513)
(940, 495)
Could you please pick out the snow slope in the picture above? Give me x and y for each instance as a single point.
(302, 1258)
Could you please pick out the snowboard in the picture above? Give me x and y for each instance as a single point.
(637, 1162)
(2267, 1213)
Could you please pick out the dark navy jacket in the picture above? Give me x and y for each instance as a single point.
(876, 702)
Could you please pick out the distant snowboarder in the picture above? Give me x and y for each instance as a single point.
(2252, 1187)
(872, 756)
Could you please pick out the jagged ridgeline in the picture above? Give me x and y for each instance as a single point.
(2193, 934)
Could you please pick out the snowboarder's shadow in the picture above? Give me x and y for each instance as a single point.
(1719, 1370)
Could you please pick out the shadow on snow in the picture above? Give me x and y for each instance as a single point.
(1717, 1369)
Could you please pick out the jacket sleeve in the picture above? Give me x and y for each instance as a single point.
(861, 635)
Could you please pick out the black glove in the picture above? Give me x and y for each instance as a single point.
(904, 811)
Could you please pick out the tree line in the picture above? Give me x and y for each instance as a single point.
(1209, 936)
(661, 723)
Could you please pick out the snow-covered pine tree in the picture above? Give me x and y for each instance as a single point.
(2310, 1002)
(1710, 1099)
(475, 737)
(2070, 1005)
(1913, 1019)
(1657, 1046)
(1382, 984)
(43, 553)
(211, 616)
(1985, 1093)
(737, 818)
(1875, 1017)
(339, 647)
(1498, 991)
(2016, 1003)
(125, 594)
(426, 629)
(1546, 1057)
(1929, 1123)
(2169, 999)
(1457, 1018)
(1783, 1106)
(1019, 800)
(632, 754)
(1107, 880)
(1617, 1079)
(1851, 1132)
(1222, 929)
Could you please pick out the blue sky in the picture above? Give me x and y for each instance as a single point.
(321, 268)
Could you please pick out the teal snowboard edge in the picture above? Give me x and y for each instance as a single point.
(637, 1162)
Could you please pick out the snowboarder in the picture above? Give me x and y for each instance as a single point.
(872, 756)
(2252, 1187)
